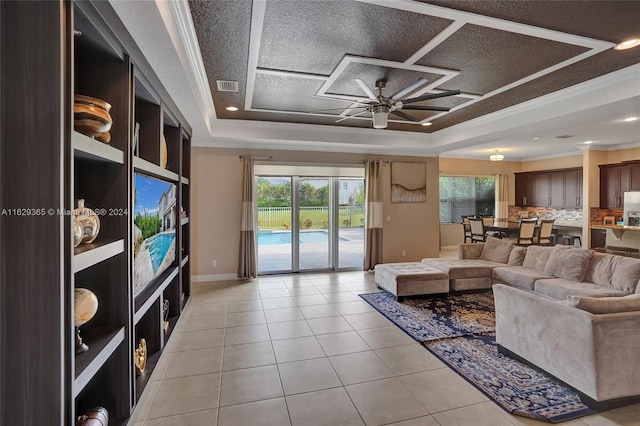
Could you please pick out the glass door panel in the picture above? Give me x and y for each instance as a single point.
(274, 224)
(350, 223)
(314, 236)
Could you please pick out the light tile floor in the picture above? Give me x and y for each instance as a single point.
(267, 352)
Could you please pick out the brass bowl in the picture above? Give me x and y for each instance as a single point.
(91, 115)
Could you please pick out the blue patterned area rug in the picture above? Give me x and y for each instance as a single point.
(460, 330)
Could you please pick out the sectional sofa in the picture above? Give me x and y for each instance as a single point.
(571, 312)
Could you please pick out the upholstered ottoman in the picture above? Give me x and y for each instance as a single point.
(411, 279)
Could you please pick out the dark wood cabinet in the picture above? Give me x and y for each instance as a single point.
(615, 180)
(557, 188)
(44, 381)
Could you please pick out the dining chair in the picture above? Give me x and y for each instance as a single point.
(466, 228)
(488, 220)
(477, 230)
(544, 232)
(526, 232)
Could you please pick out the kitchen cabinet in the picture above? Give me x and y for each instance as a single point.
(556, 188)
(615, 180)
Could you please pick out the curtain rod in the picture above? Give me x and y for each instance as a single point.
(266, 157)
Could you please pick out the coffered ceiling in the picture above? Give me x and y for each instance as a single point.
(296, 61)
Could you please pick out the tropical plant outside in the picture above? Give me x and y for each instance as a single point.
(148, 225)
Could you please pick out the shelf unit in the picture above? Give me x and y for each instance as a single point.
(80, 48)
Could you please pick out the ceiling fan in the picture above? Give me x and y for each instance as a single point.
(381, 106)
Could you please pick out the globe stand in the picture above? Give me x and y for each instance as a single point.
(80, 345)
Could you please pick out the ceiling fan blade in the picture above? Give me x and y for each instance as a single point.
(403, 115)
(410, 88)
(340, 99)
(366, 89)
(431, 96)
(335, 109)
(351, 116)
(425, 108)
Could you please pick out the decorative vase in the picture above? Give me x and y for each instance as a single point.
(163, 152)
(85, 306)
(91, 117)
(89, 221)
(165, 314)
(77, 232)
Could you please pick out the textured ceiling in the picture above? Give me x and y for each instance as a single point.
(296, 61)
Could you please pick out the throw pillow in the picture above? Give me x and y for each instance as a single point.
(606, 305)
(496, 250)
(568, 263)
(537, 257)
(516, 258)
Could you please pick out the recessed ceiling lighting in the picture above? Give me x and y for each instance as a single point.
(427, 124)
(629, 119)
(231, 108)
(588, 142)
(628, 44)
(535, 139)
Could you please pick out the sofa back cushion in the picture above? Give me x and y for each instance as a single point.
(568, 263)
(621, 273)
(606, 305)
(537, 257)
(516, 257)
(496, 250)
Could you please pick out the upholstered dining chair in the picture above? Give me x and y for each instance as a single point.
(487, 220)
(477, 230)
(526, 232)
(544, 232)
(466, 228)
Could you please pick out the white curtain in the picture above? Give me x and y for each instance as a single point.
(247, 264)
(373, 235)
(502, 197)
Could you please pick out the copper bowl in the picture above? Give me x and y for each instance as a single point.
(91, 115)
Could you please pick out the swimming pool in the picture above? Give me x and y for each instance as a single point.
(285, 237)
(158, 246)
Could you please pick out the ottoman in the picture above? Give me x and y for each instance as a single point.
(411, 279)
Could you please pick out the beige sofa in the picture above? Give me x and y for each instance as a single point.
(571, 312)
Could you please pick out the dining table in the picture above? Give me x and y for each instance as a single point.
(504, 227)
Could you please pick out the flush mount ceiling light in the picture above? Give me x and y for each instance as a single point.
(496, 157)
(630, 119)
(628, 44)
(231, 108)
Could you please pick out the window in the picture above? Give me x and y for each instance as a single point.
(466, 195)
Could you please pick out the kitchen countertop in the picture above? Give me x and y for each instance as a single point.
(616, 227)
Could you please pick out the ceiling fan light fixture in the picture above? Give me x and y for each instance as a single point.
(496, 157)
(380, 116)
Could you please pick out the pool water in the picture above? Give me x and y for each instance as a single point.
(285, 237)
(158, 246)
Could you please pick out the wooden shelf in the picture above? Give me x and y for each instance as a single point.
(143, 379)
(184, 221)
(153, 297)
(184, 261)
(184, 180)
(143, 165)
(102, 343)
(91, 149)
(87, 255)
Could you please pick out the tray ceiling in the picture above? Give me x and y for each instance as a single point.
(296, 61)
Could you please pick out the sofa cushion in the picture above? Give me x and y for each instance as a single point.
(457, 268)
(496, 250)
(621, 273)
(568, 263)
(606, 305)
(518, 276)
(559, 288)
(536, 257)
(516, 257)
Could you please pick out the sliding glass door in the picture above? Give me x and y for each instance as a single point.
(308, 223)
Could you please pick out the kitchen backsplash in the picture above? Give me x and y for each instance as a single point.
(546, 213)
(597, 215)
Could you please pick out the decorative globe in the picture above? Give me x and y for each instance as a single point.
(85, 306)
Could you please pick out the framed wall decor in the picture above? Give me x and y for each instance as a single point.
(408, 182)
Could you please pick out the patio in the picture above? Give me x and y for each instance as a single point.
(313, 255)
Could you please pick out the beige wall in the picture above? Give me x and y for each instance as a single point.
(552, 163)
(216, 181)
(623, 155)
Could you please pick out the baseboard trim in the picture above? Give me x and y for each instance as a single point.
(213, 277)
